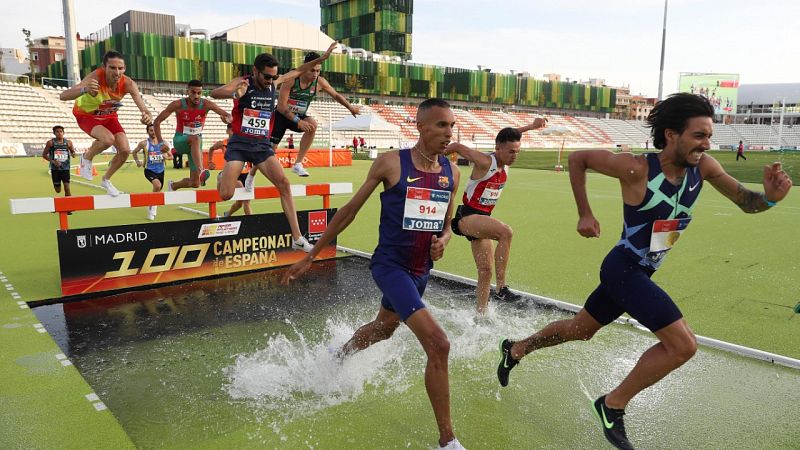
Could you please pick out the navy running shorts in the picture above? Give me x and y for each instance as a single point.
(625, 286)
(250, 150)
(150, 175)
(402, 291)
(59, 176)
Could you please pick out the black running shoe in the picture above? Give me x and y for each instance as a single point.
(507, 362)
(612, 423)
(505, 295)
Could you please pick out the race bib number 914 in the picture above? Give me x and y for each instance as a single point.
(425, 209)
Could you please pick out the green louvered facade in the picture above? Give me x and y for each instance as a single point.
(177, 59)
(380, 26)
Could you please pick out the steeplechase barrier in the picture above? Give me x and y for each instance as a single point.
(64, 205)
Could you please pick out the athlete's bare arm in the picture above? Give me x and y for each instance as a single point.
(135, 153)
(325, 86)
(539, 122)
(219, 145)
(482, 161)
(631, 170)
(46, 152)
(292, 74)
(133, 90)
(162, 116)
(89, 82)
(225, 115)
(385, 169)
(776, 185)
(238, 84)
(283, 101)
(71, 148)
(438, 243)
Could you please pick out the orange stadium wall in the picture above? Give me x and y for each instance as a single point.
(316, 157)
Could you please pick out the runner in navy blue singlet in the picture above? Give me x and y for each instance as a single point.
(659, 191)
(253, 106)
(416, 206)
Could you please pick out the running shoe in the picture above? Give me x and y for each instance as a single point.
(249, 182)
(453, 445)
(110, 189)
(86, 168)
(505, 295)
(155, 210)
(204, 176)
(612, 423)
(226, 214)
(169, 186)
(507, 362)
(151, 215)
(302, 244)
(300, 170)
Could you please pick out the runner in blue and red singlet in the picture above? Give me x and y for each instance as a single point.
(416, 206)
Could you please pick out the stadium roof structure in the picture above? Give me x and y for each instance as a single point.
(286, 33)
(768, 94)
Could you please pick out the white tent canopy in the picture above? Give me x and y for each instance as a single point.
(364, 122)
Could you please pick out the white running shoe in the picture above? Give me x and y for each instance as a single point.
(453, 445)
(300, 170)
(155, 210)
(110, 189)
(169, 186)
(86, 168)
(151, 214)
(302, 244)
(250, 182)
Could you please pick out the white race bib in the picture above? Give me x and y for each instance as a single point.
(156, 157)
(491, 193)
(255, 122)
(192, 131)
(665, 234)
(60, 155)
(425, 209)
(298, 106)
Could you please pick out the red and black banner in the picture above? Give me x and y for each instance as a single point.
(127, 256)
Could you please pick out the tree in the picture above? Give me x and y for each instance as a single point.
(29, 43)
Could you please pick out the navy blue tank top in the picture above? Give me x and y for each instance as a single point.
(412, 211)
(252, 114)
(651, 228)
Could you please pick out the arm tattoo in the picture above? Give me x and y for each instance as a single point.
(749, 201)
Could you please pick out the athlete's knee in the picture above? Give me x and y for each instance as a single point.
(106, 141)
(438, 347)
(57, 188)
(684, 348)
(383, 330)
(283, 185)
(156, 185)
(506, 233)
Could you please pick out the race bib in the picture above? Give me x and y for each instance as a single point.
(425, 209)
(298, 106)
(491, 193)
(156, 157)
(255, 122)
(665, 234)
(191, 131)
(60, 155)
(108, 107)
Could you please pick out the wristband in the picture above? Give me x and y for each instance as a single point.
(296, 119)
(84, 90)
(235, 95)
(769, 203)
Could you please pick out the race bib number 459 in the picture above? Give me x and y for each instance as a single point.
(255, 122)
(425, 209)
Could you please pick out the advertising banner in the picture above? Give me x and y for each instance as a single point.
(721, 89)
(12, 149)
(127, 256)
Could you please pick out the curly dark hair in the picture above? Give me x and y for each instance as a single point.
(674, 113)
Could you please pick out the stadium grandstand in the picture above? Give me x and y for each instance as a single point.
(162, 55)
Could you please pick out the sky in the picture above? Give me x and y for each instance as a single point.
(615, 40)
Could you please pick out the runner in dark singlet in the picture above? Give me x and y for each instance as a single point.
(416, 206)
(58, 151)
(659, 191)
(253, 106)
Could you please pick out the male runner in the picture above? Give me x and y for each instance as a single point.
(473, 218)
(416, 205)
(190, 113)
(154, 154)
(659, 191)
(253, 105)
(223, 145)
(97, 98)
(58, 151)
(293, 103)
